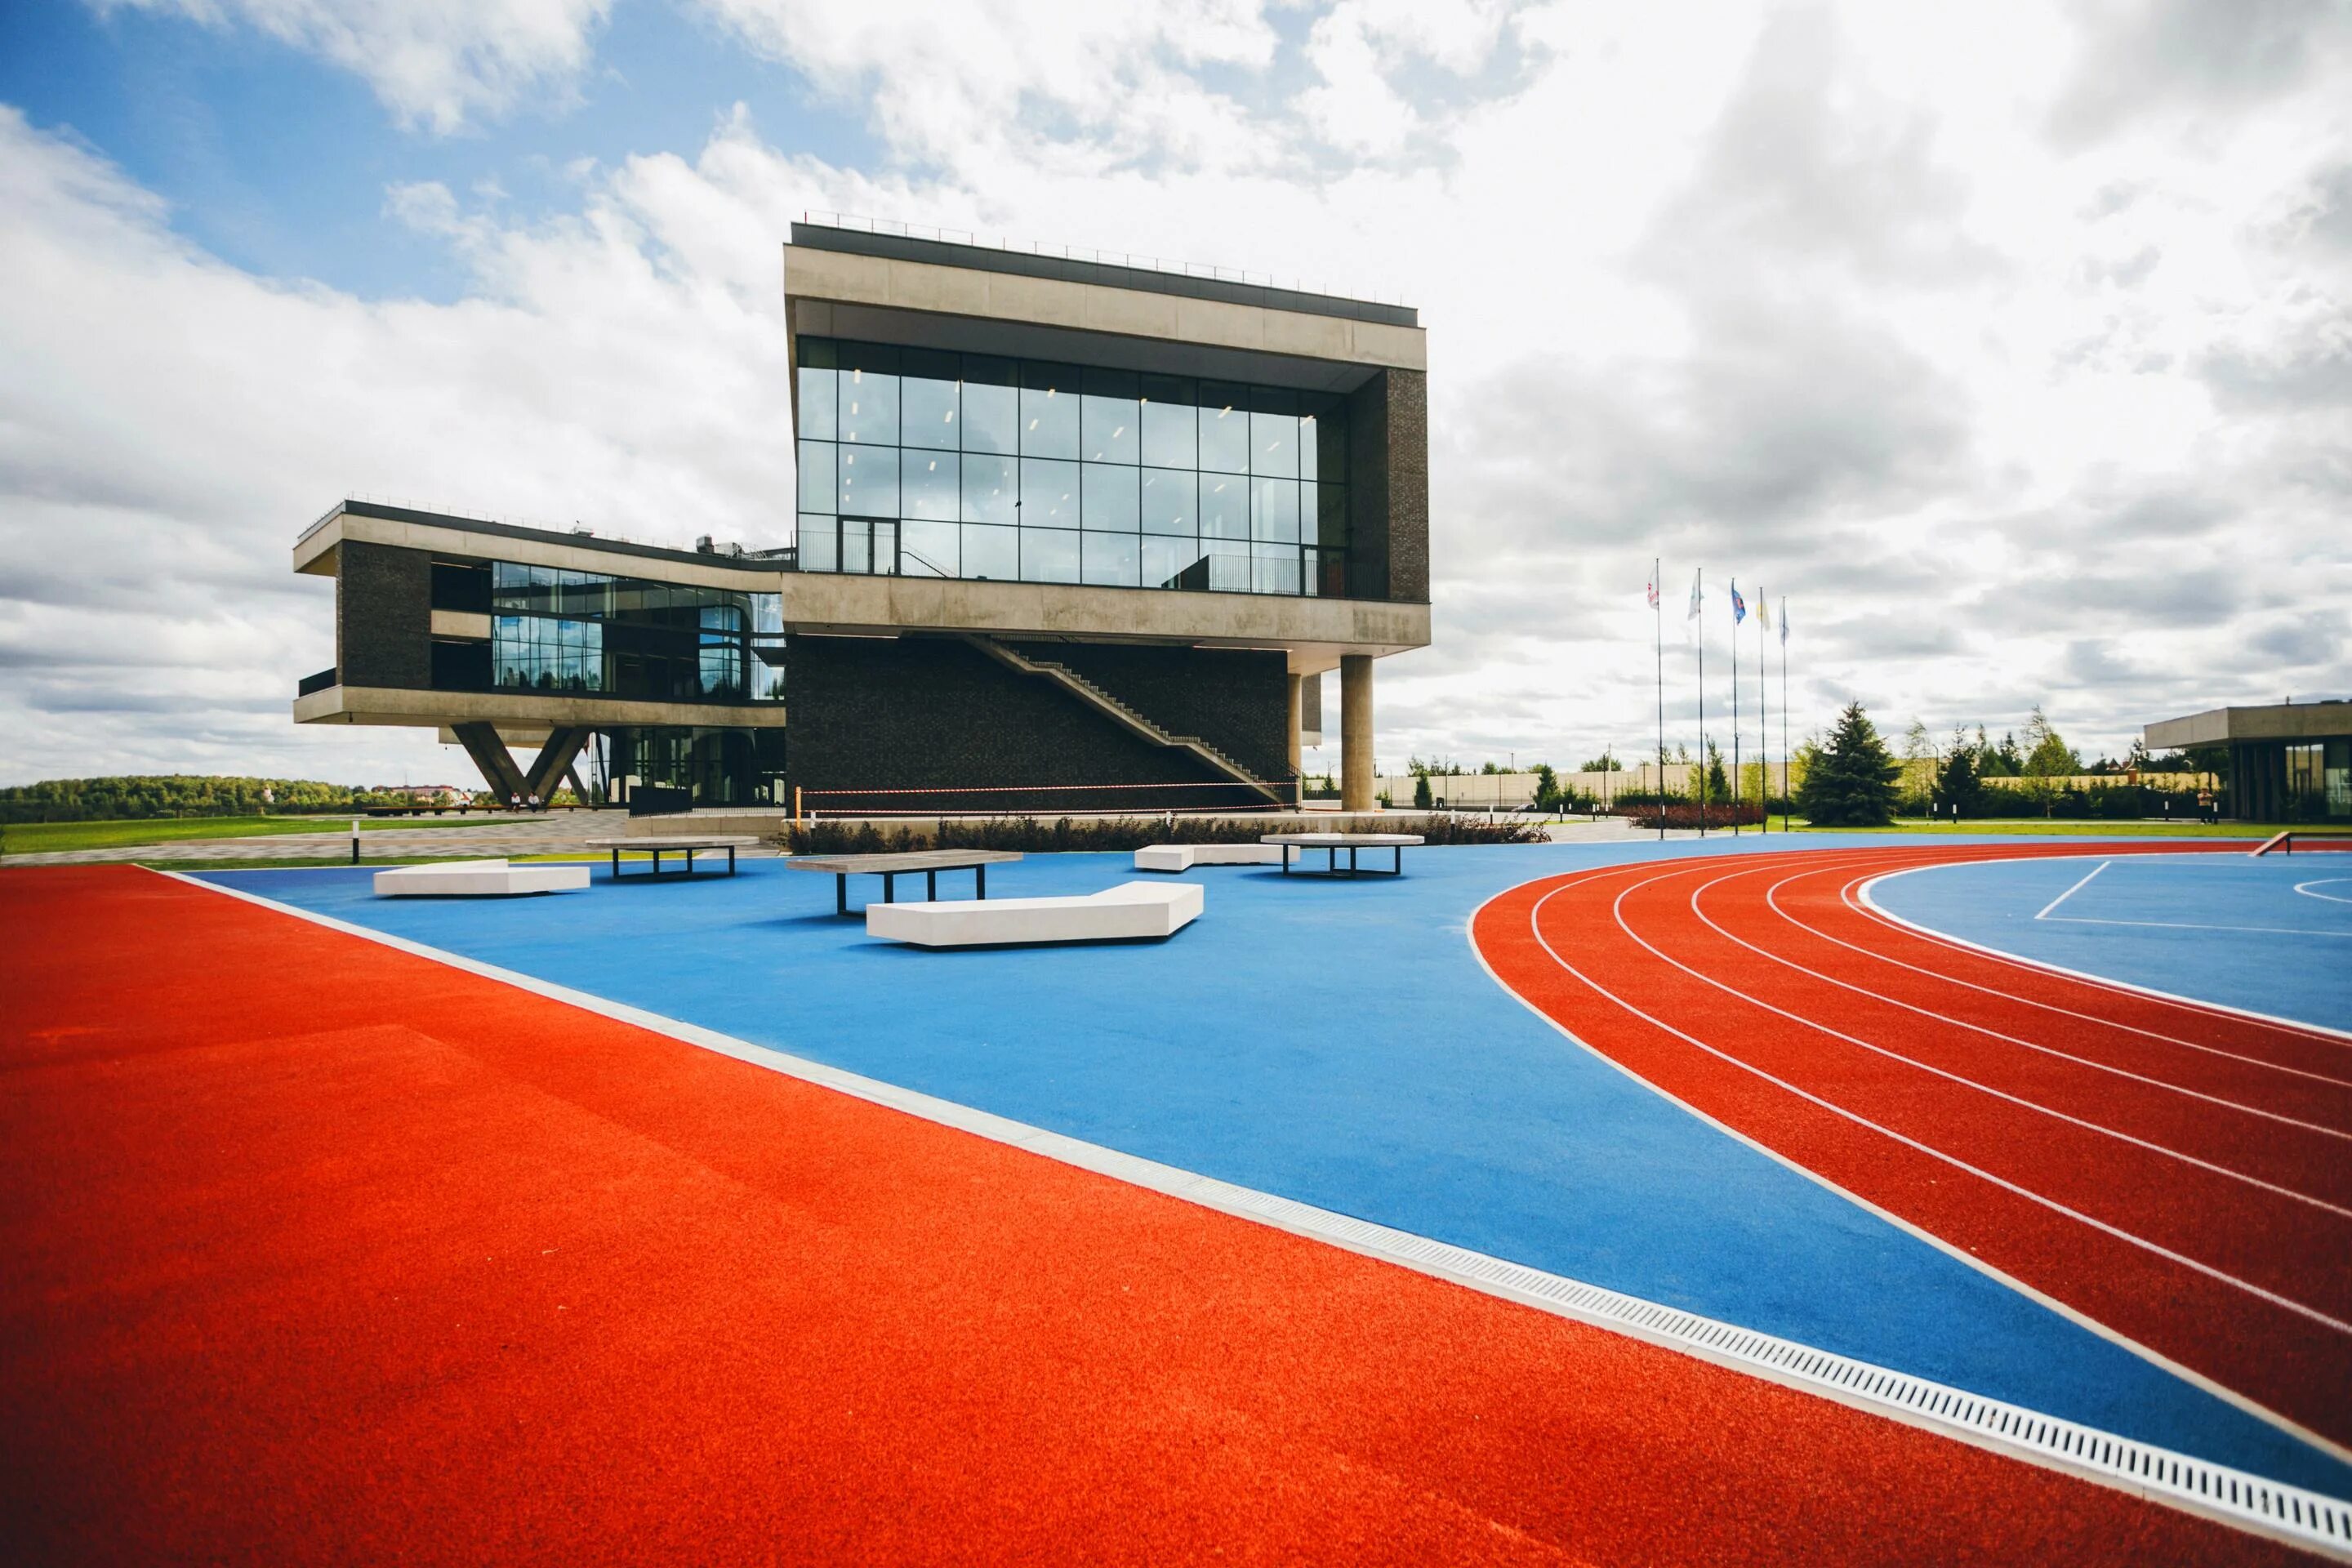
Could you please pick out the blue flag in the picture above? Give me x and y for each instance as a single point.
(1739, 605)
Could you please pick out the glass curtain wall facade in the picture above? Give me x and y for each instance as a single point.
(2319, 780)
(919, 463)
(563, 631)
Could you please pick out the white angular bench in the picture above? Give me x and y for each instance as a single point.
(1184, 857)
(478, 880)
(1128, 912)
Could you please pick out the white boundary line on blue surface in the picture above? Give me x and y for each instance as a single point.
(2073, 890)
(2294, 1514)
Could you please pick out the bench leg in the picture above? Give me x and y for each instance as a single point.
(731, 860)
(841, 892)
(616, 862)
(889, 886)
(979, 881)
(931, 886)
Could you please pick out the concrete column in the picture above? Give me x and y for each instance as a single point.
(1356, 733)
(1296, 709)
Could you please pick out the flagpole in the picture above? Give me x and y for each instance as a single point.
(1658, 636)
(1700, 793)
(1786, 755)
(1763, 714)
(1734, 707)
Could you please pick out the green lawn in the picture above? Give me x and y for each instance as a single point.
(2030, 826)
(40, 838)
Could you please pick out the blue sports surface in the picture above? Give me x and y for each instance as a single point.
(1339, 1043)
(2272, 935)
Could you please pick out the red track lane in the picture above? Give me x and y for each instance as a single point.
(2209, 1234)
(323, 1252)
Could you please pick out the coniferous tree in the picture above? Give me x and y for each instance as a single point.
(1959, 790)
(1852, 783)
(1718, 787)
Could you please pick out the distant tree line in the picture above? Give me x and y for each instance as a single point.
(181, 795)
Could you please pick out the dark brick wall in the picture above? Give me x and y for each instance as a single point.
(935, 712)
(1388, 475)
(383, 616)
(1238, 700)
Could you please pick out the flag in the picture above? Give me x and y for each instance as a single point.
(1694, 598)
(1763, 611)
(1784, 623)
(1692, 625)
(1739, 605)
(1654, 588)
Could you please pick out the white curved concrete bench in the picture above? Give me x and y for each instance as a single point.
(1184, 857)
(478, 880)
(1128, 913)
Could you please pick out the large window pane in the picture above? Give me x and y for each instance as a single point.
(868, 394)
(1112, 416)
(1171, 501)
(1049, 555)
(869, 482)
(1049, 410)
(992, 490)
(927, 484)
(1171, 436)
(926, 550)
(1224, 506)
(1224, 428)
(1273, 432)
(817, 481)
(993, 553)
(1169, 562)
(1110, 490)
(1274, 509)
(1276, 569)
(1112, 559)
(991, 421)
(857, 545)
(927, 399)
(817, 404)
(1049, 492)
(1229, 566)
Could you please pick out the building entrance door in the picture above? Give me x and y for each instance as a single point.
(869, 546)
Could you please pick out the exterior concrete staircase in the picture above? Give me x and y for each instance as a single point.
(1118, 712)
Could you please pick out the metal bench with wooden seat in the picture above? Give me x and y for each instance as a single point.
(659, 847)
(1350, 842)
(892, 865)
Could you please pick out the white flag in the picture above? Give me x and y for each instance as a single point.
(1692, 625)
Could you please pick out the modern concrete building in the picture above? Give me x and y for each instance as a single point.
(2288, 762)
(1068, 534)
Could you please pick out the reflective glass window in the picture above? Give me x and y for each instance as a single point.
(1171, 501)
(1110, 498)
(991, 420)
(1172, 563)
(1048, 555)
(857, 545)
(1171, 436)
(1274, 569)
(1111, 559)
(992, 553)
(869, 482)
(929, 398)
(818, 483)
(1224, 506)
(1049, 410)
(992, 490)
(820, 549)
(928, 550)
(927, 484)
(1049, 493)
(1224, 428)
(1274, 509)
(1229, 565)
(1273, 432)
(867, 393)
(1112, 417)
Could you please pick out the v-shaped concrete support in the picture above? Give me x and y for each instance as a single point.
(497, 764)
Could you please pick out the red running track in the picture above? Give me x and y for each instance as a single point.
(319, 1251)
(2178, 1174)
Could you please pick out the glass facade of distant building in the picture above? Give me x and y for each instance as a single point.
(919, 463)
(560, 631)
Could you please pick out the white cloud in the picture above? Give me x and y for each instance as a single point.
(2016, 401)
(434, 63)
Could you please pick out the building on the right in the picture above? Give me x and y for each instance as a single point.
(2288, 762)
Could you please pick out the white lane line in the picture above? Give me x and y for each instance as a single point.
(1844, 897)
(2156, 1248)
(1862, 904)
(2073, 890)
(2192, 925)
(1618, 910)
(2305, 889)
(1982, 1029)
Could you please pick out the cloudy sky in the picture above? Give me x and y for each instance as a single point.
(2012, 344)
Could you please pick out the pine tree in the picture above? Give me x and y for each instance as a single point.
(1718, 787)
(1852, 783)
(1958, 791)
